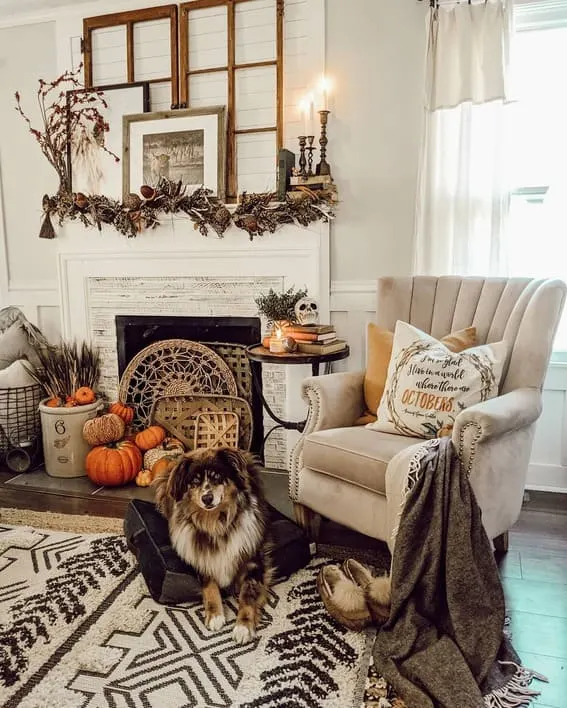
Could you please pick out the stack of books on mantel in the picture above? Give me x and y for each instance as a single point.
(315, 339)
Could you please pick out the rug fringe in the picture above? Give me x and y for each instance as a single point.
(516, 692)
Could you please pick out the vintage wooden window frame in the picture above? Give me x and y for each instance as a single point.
(231, 67)
(129, 19)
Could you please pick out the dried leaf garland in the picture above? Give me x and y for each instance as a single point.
(256, 213)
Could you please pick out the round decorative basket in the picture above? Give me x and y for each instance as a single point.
(173, 367)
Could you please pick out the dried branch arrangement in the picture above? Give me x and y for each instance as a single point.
(65, 119)
(66, 368)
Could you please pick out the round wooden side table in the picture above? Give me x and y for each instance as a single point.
(260, 355)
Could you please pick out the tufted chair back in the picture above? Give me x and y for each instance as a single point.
(523, 312)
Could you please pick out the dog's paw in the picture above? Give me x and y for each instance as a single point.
(242, 633)
(215, 622)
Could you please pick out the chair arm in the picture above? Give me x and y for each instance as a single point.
(335, 400)
(500, 415)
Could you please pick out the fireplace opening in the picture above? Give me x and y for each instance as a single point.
(226, 336)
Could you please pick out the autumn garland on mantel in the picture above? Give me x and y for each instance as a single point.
(255, 213)
(80, 122)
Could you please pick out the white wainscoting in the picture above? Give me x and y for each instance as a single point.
(352, 306)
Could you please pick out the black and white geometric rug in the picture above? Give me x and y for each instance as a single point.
(78, 629)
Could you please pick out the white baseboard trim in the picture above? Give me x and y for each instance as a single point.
(547, 478)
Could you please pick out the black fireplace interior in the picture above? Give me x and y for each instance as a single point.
(135, 332)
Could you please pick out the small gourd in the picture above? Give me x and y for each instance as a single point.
(105, 429)
(164, 465)
(85, 395)
(144, 478)
(169, 447)
(122, 410)
(150, 437)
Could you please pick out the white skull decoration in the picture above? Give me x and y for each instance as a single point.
(306, 311)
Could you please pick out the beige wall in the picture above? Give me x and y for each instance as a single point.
(27, 52)
(375, 51)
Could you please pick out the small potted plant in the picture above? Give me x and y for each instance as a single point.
(279, 308)
(69, 374)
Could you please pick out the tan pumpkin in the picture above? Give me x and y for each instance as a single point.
(150, 437)
(104, 429)
(122, 410)
(113, 464)
(144, 478)
(170, 446)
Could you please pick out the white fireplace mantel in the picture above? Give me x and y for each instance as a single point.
(175, 270)
(175, 249)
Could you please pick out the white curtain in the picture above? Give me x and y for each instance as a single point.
(464, 187)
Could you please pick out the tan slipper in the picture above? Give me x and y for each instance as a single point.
(377, 590)
(343, 599)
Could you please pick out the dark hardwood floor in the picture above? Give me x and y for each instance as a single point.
(534, 571)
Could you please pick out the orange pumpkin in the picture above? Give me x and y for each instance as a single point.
(163, 466)
(85, 395)
(104, 429)
(54, 402)
(150, 437)
(144, 478)
(113, 464)
(125, 412)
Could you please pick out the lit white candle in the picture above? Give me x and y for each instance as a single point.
(325, 89)
(276, 343)
(310, 119)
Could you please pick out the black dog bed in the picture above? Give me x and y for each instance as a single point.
(170, 580)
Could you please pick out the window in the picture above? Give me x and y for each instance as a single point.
(538, 210)
(230, 53)
(140, 45)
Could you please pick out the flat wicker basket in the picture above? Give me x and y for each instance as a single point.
(216, 429)
(178, 415)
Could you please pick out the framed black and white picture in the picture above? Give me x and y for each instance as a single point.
(95, 171)
(187, 145)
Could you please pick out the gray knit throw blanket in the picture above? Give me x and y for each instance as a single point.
(443, 644)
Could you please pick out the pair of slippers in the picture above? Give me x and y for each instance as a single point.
(353, 596)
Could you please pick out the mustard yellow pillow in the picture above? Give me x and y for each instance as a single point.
(379, 351)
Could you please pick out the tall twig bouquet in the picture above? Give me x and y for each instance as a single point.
(66, 119)
(65, 368)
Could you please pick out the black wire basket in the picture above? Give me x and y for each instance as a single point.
(20, 427)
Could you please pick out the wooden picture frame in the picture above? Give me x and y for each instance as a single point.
(184, 144)
(122, 99)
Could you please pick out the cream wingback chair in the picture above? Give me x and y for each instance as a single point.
(340, 471)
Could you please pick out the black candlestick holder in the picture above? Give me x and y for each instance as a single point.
(310, 148)
(302, 161)
(323, 168)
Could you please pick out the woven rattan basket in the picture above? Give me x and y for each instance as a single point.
(216, 429)
(173, 367)
(178, 414)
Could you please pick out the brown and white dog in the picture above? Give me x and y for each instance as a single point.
(218, 524)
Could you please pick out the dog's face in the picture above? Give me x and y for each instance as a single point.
(209, 479)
